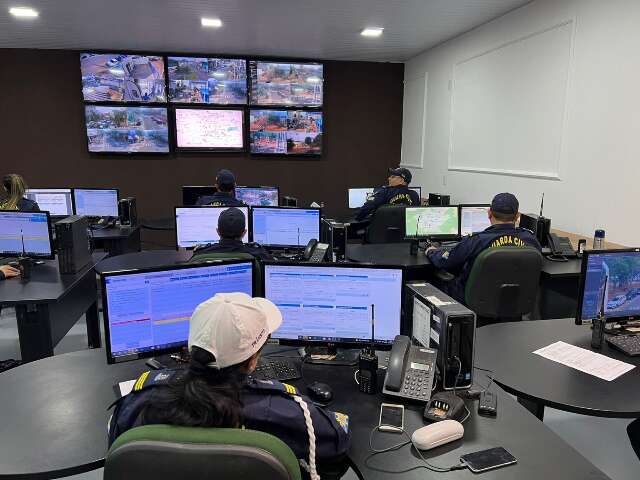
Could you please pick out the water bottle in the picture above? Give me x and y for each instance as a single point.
(598, 240)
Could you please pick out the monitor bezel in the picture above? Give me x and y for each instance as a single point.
(180, 266)
(419, 193)
(322, 343)
(73, 205)
(250, 85)
(52, 254)
(191, 106)
(442, 237)
(73, 199)
(463, 205)
(274, 246)
(583, 276)
(182, 187)
(175, 213)
(265, 187)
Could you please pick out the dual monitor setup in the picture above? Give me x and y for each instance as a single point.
(445, 223)
(63, 202)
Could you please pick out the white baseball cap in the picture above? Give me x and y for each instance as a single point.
(233, 326)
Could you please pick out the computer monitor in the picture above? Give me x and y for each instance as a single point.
(25, 234)
(612, 276)
(191, 193)
(96, 202)
(358, 196)
(331, 303)
(57, 201)
(431, 222)
(258, 196)
(474, 219)
(283, 227)
(147, 311)
(197, 225)
(418, 190)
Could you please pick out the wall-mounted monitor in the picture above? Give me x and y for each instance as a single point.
(118, 77)
(258, 196)
(220, 81)
(286, 84)
(127, 129)
(285, 132)
(198, 129)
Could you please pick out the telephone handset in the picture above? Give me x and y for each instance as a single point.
(561, 246)
(410, 371)
(315, 251)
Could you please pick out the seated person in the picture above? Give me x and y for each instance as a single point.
(7, 271)
(225, 196)
(12, 197)
(503, 215)
(226, 334)
(231, 228)
(396, 193)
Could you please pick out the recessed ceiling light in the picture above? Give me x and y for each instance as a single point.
(23, 12)
(211, 22)
(372, 32)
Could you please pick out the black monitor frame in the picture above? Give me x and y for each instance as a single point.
(182, 188)
(277, 189)
(73, 198)
(419, 192)
(175, 214)
(52, 255)
(251, 230)
(73, 205)
(433, 237)
(464, 205)
(116, 273)
(321, 343)
(206, 106)
(583, 277)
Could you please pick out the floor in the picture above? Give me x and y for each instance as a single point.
(603, 441)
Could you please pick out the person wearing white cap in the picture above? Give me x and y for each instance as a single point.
(226, 335)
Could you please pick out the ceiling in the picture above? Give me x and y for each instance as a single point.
(318, 29)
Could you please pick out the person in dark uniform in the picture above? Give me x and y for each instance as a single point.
(231, 228)
(7, 271)
(397, 192)
(225, 195)
(458, 261)
(226, 334)
(13, 198)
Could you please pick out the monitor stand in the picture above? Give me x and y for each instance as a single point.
(330, 355)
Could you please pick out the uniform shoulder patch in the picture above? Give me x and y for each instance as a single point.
(342, 419)
(291, 390)
(141, 380)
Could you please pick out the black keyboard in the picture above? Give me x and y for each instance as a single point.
(281, 370)
(628, 344)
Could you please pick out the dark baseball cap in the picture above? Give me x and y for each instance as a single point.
(401, 172)
(506, 203)
(231, 223)
(225, 177)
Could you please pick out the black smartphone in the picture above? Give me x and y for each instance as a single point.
(488, 459)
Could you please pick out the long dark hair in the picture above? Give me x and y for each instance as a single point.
(201, 397)
(14, 188)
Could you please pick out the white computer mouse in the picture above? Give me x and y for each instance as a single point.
(437, 434)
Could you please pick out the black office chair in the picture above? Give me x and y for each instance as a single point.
(387, 225)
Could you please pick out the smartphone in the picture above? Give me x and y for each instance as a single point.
(488, 459)
(391, 418)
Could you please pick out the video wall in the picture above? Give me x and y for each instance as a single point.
(137, 104)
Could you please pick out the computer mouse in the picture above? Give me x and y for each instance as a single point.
(320, 392)
(437, 434)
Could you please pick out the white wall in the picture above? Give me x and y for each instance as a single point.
(599, 161)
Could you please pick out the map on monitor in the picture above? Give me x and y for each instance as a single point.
(209, 129)
(424, 222)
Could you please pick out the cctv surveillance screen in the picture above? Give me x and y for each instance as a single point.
(286, 84)
(292, 132)
(209, 129)
(207, 80)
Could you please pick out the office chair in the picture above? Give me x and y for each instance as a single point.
(633, 430)
(387, 225)
(168, 452)
(212, 257)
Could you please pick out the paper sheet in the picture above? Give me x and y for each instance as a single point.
(585, 360)
(126, 387)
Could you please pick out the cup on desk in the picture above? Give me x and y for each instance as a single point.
(24, 264)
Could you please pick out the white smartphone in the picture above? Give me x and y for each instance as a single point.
(391, 418)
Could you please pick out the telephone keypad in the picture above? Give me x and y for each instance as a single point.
(417, 384)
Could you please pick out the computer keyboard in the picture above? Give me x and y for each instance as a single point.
(628, 344)
(281, 370)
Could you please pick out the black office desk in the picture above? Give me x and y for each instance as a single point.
(537, 382)
(50, 304)
(146, 259)
(393, 254)
(117, 240)
(54, 423)
(559, 284)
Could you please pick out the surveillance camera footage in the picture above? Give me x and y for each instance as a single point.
(291, 132)
(286, 84)
(207, 80)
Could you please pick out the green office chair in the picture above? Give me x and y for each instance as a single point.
(387, 225)
(167, 452)
(212, 257)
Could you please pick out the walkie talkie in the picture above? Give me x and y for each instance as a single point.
(598, 323)
(368, 363)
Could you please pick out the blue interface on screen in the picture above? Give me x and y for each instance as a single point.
(32, 227)
(199, 225)
(151, 310)
(474, 219)
(334, 303)
(258, 196)
(285, 227)
(96, 203)
(616, 275)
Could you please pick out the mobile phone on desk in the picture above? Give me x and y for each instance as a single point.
(488, 459)
(391, 418)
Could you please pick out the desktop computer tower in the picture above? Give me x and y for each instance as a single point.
(335, 234)
(439, 322)
(74, 251)
(439, 200)
(127, 212)
(288, 201)
(540, 226)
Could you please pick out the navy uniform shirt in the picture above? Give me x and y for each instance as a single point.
(460, 258)
(228, 245)
(25, 205)
(400, 195)
(220, 199)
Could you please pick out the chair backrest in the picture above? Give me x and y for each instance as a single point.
(387, 225)
(503, 283)
(257, 268)
(167, 452)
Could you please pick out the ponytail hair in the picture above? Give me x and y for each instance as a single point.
(14, 187)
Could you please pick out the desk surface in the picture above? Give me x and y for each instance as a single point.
(113, 233)
(145, 259)
(506, 349)
(54, 418)
(46, 285)
(569, 269)
(386, 254)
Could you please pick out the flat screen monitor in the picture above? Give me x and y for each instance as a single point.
(25, 234)
(431, 222)
(96, 202)
(285, 132)
(57, 201)
(474, 219)
(285, 226)
(147, 311)
(612, 276)
(198, 225)
(191, 193)
(331, 303)
(258, 196)
(286, 84)
(359, 196)
(418, 190)
(118, 77)
(127, 129)
(221, 81)
(198, 129)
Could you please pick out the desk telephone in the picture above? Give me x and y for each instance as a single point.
(411, 371)
(315, 251)
(561, 246)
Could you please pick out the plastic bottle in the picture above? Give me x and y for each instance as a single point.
(598, 240)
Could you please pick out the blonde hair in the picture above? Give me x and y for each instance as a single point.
(14, 187)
